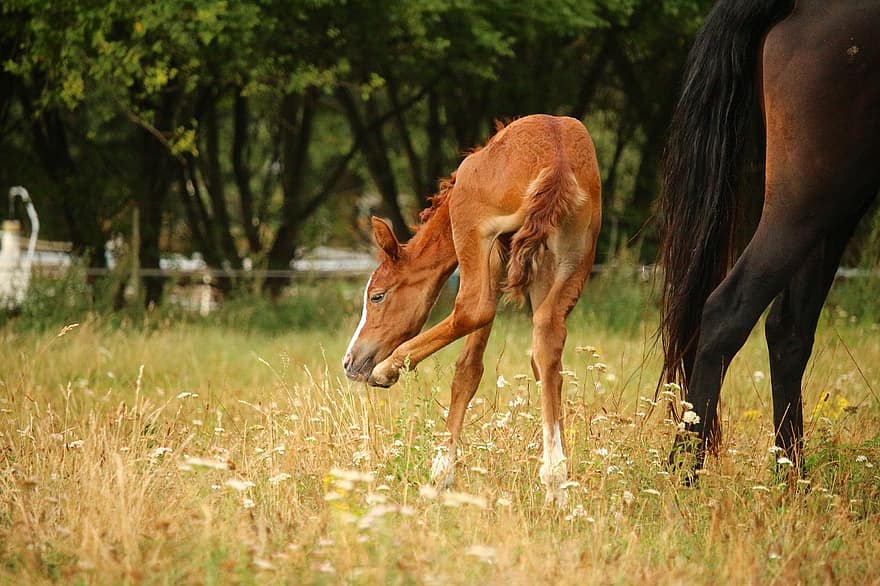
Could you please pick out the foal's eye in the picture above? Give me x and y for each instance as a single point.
(377, 297)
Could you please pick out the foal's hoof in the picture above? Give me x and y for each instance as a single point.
(384, 374)
(553, 476)
(380, 382)
(443, 468)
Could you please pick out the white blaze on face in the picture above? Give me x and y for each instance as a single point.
(363, 321)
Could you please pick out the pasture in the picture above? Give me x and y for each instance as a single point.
(174, 451)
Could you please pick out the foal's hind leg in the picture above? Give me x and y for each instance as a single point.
(468, 372)
(790, 330)
(548, 340)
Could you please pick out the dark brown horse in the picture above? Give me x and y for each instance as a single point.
(812, 68)
(520, 215)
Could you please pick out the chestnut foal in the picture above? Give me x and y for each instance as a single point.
(520, 216)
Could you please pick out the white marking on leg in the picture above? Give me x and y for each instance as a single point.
(554, 471)
(443, 466)
(363, 321)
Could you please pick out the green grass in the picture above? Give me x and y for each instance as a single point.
(240, 454)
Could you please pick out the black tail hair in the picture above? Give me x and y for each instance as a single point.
(710, 129)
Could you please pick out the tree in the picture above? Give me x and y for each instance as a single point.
(229, 125)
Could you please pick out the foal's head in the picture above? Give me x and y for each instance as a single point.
(397, 300)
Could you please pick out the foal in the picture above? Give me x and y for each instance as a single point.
(519, 216)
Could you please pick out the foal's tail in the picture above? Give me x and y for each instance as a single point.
(710, 128)
(551, 196)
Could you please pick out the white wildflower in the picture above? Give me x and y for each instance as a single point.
(351, 475)
(482, 552)
(191, 462)
(428, 491)
(690, 417)
(279, 478)
(673, 388)
(457, 499)
(577, 512)
(261, 564)
(157, 453)
(238, 484)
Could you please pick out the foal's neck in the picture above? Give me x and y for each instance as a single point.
(433, 244)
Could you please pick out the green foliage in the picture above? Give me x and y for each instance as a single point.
(52, 304)
(94, 85)
(320, 305)
(621, 299)
(854, 300)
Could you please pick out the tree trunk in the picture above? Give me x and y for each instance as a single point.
(297, 121)
(214, 183)
(240, 143)
(78, 204)
(197, 217)
(435, 165)
(157, 173)
(592, 80)
(415, 163)
(375, 153)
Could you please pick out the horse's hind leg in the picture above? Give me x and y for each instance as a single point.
(790, 330)
(468, 372)
(778, 248)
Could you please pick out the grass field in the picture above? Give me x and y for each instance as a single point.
(180, 452)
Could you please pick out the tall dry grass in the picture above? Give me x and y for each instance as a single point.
(192, 454)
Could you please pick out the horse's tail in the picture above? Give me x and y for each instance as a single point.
(551, 196)
(709, 131)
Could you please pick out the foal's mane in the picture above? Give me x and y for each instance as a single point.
(437, 200)
(446, 184)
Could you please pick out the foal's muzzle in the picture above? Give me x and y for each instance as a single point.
(358, 369)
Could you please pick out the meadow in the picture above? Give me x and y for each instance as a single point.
(166, 449)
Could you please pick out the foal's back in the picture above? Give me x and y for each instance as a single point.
(502, 170)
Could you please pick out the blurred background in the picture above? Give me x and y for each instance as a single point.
(205, 151)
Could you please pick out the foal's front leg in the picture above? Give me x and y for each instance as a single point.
(468, 372)
(475, 306)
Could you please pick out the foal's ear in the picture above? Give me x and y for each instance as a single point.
(385, 238)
